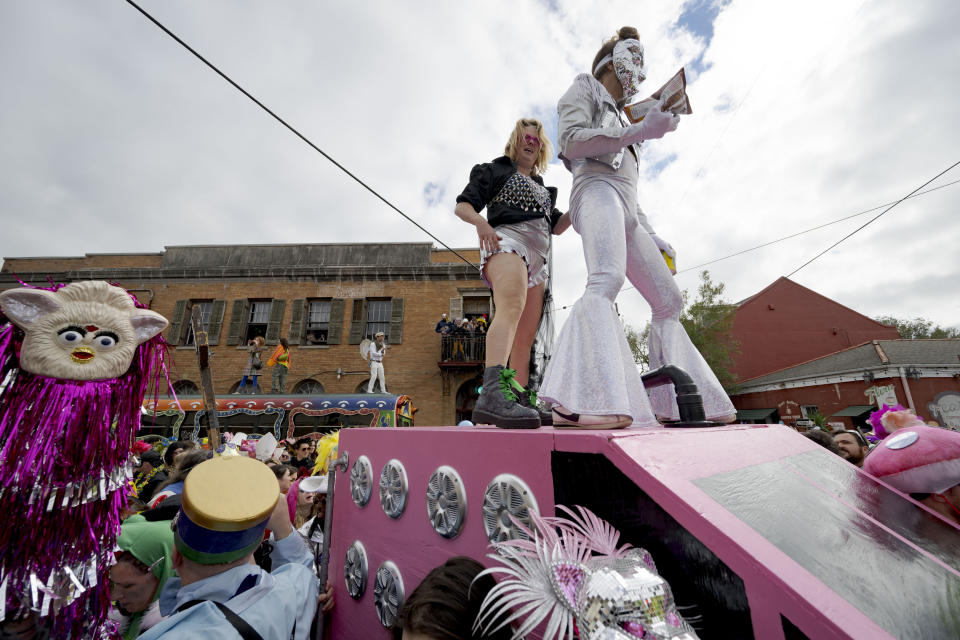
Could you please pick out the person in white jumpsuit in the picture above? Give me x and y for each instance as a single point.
(376, 351)
(592, 379)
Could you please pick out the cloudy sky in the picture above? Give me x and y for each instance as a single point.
(115, 139)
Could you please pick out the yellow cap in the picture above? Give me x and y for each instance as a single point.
(230, 494)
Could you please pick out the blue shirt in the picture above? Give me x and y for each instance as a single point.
(280, 605)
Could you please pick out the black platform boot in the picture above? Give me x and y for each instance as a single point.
(528, 398)
(497, 404)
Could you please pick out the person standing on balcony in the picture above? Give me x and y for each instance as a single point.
(376, 351)
(514, 243)
(254, 365)
(280, 361)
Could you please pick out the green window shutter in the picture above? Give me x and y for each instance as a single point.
(358, 320)
(396, 321)
(216, 321)
(236, 322)
(174, 333)
(456, 309)
(276, 319)
(336, 321)
(296, 321)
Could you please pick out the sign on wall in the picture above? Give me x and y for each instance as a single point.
(882, 395)
(945, 409)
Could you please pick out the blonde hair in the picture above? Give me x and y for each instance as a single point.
(516, 141)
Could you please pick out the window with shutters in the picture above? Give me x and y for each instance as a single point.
(206, 309)
(258, 318)
(378, 318)
(318, 322)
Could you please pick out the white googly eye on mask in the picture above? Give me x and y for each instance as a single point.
(105, 341)
(70, 336)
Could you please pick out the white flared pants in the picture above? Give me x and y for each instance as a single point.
(592, 370)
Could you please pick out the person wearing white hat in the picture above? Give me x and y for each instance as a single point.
(376, 351)
(312, 491)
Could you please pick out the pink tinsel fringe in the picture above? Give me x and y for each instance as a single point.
(64, 447)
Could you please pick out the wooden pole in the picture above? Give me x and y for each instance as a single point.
(340, 464)
(202, 342)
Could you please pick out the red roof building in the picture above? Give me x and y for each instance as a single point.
(787, 324)
(846, 386)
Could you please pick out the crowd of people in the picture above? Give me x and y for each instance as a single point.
(462, 339)
(182, 569)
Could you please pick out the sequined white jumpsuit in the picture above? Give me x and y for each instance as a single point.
(592, 369)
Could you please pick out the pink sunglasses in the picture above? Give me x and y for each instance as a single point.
(529, 139)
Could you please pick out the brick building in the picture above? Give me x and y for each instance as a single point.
(786, 324)
(324, 299)
(923, 375)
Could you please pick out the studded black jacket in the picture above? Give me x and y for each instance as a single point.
(491, 187)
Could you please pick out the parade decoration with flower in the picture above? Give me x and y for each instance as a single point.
(571, 575)
(75, 363)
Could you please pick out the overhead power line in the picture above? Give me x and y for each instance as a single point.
(800, 233)
(294, 131)
(821, 226)
(864, 225)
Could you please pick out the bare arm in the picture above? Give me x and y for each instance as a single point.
(562, 224)
(489, 241)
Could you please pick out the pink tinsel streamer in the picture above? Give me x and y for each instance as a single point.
(56, 433)
(877, 423)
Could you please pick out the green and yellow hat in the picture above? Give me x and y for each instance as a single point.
(226, 505)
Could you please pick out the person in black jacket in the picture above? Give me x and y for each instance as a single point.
(514, 244)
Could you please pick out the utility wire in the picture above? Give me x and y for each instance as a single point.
(799, 233)
(873, 218)
(294, 131)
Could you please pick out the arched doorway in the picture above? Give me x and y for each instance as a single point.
(467, 396)
(308, 387)
(362, 387)
(186, 388)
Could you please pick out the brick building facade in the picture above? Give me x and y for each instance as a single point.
(923, 375)
(324, 299)
(786, 324)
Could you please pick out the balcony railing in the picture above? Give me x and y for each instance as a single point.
(463, 349)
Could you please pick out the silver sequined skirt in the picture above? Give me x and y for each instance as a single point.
(530, 240)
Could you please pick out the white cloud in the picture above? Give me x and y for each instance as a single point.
(116, 139)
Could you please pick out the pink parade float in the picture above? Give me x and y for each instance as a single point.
(756, 530)
(75, 364)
